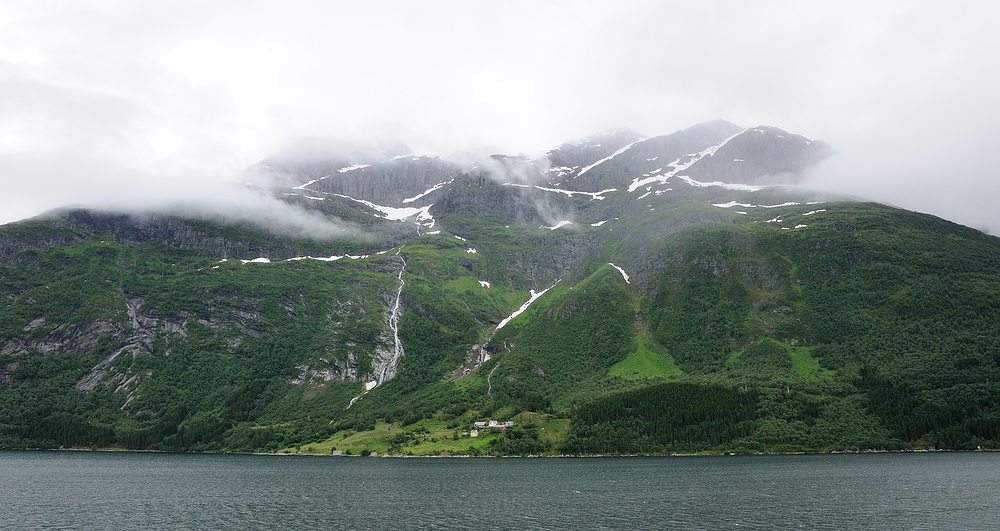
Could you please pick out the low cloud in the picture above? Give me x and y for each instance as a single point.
(106, 102)
(256, 208)
(69, 181)
(958, 181)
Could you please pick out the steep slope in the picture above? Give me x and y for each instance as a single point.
(641, 295)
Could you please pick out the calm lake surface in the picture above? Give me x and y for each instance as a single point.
(122, 491)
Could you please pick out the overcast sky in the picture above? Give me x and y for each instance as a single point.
(128, 102)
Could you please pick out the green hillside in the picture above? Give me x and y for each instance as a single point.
(856, 327)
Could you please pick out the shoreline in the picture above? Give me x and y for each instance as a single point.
(467, 456)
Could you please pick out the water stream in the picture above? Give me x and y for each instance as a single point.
(480, 355)
(389, 369)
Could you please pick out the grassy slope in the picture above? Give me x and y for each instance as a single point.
(869, 328)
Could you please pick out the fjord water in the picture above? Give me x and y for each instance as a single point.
(110, 490)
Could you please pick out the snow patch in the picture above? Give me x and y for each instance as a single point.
(749, 205)
(800, 226)
(562, 171)
(353, 167)
(260, 260)
(423, 214)
(599, 223)
(332, 258)
(727, 186)
(320, 258)
(731, 204)
(519, 311)
(303, 186)
(484, 284)
(814, 212)
(437, 186)
(470, 250)
(609, 157)
(678, 166)
(557, 225)
(622, 271)
(593, 195)
(461, 238)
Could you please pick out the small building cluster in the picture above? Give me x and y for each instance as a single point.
(495, 425)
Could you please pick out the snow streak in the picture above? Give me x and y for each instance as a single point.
(593, 195)
(678, 166)
(437, 186)
(609, 157)
(622, 271)
(557, 225)
(519, 311)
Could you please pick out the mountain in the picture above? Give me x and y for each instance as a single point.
(621, 294)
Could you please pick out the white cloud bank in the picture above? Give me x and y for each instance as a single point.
(109, 100)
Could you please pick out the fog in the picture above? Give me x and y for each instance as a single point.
(129, 104)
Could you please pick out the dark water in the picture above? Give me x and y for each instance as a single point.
(122, 491)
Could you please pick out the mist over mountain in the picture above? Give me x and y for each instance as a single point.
(620, 293)
(111, 106)
(598, 162)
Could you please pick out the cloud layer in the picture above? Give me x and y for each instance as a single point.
(113, 101)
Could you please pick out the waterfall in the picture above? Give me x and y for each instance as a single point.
(479, 354)
(390, 368)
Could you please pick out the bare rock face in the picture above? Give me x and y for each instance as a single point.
(761, 155)
(716, 151)
(397, 183)
(644, 156)
(586, 151)
(387, 174)
(478, 194)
